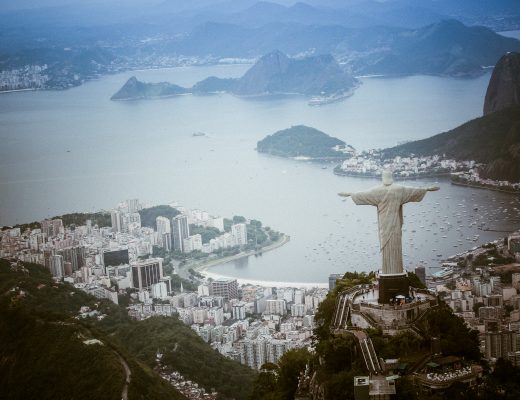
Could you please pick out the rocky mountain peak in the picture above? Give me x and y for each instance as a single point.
(504, 86)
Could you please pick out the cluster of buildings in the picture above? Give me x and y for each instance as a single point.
(371, 163)
(487, 302)
(174, 234)
(473, 178)
(189, 389)
(250, 324)
(27, 77)
(105, 260)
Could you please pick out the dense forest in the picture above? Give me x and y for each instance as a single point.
(33, 301)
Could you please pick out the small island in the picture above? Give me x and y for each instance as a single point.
(305, 143)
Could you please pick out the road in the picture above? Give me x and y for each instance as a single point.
(128, 373)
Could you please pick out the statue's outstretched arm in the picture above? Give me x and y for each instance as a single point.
(344, 194)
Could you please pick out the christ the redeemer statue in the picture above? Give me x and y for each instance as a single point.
(389, 200)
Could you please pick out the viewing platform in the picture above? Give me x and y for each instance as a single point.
(358, 307)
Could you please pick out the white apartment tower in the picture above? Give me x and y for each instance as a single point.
(163, 227)
(180, 230)
(239, 233)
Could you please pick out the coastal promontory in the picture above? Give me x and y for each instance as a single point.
(492, 140)
(273, 74)
(134, 89)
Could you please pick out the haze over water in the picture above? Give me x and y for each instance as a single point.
(145, 149)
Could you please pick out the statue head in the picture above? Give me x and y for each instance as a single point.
(387, 177)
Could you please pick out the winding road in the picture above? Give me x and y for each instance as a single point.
(128, 373)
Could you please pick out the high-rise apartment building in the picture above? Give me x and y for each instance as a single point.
(133, 205)
(180, 230)
(74, 255)
(163, 227)
(57, 266)
(192, 243)
(276, 307)
(226, 288)
(145, 273)
(239, 310)
(239, 233)
(51, 228)
(117, 221)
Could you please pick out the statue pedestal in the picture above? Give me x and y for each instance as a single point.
(391, 286)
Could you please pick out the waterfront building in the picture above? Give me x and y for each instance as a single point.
(226, 288)
(239, 232)
(192, 243)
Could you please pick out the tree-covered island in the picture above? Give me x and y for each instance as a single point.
(303, 142)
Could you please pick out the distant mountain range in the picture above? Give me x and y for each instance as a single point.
(401, 37)
(274, 73)
(493, 139)
(445, 48)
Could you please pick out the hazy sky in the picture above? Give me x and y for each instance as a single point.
(20, 4)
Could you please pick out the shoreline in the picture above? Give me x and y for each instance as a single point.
(396, 178)
(485, 187)
(255, 282)
(204, 269)
(201, 268)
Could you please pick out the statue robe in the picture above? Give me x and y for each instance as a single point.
(389, 201)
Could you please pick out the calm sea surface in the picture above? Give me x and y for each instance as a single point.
(76, 150)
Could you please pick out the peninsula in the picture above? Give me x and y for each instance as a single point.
(481, 153)
(274, 73)
(134, 89)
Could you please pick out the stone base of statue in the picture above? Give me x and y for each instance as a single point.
(391, 286)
